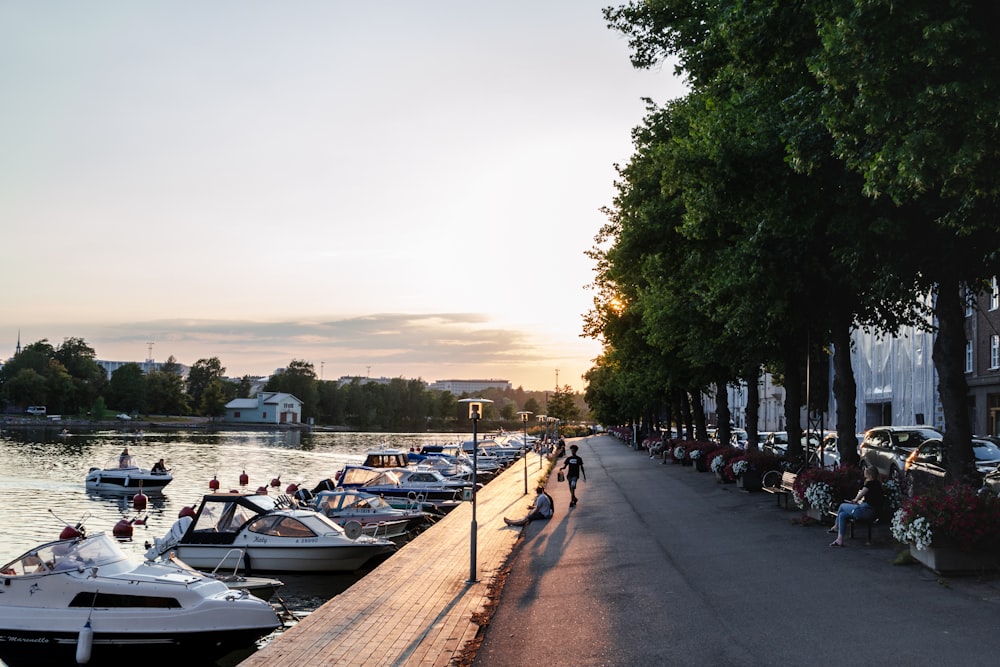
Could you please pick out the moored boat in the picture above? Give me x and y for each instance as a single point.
(260, 533)
(81, 599)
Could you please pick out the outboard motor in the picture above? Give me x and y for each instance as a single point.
(304, 496)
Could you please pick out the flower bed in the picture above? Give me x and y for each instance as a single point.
(832, 486)
(955, 516)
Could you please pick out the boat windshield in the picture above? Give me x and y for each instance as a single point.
(94, 551)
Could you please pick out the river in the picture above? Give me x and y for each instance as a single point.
(43, 470)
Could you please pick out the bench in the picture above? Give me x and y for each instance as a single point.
(780, 486)
(851, 521)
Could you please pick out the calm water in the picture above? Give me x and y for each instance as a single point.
(42, 474)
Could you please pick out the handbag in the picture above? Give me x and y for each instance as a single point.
(560, 477)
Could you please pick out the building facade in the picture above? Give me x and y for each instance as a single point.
(267, 407)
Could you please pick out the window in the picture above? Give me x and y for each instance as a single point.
(970, 300)
(994, 294)
(994, 351)
(968, 356)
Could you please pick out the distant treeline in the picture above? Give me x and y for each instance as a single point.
(68, 380)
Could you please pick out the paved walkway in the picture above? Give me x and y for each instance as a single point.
(657, 565)
(417, 608)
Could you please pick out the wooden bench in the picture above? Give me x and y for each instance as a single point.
(851, 521)
(780, 486)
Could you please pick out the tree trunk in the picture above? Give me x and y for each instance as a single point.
(753, 411)
(722, 409)
(793, 401)
(698, 408)
(845, 391)
(949, 361)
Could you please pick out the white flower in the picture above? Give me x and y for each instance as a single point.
(718, 463)
(740, 467)
(917, 532)
(695, 453)
(820, 496)
(679, 452)
(893, 494)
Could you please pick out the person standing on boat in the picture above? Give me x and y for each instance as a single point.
(125, 460)
(540, 509)
(575, 465)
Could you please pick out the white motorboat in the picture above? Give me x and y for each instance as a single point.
(127, 477)
(82, 599)
(259, 533)
(375, 515)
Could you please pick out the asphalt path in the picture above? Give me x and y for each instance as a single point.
(662, 565)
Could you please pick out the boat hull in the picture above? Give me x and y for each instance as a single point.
(115, 481)
(281, 559)
(41, 647)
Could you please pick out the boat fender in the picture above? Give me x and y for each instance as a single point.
(353, 529)
(84, 642)
(247, 567)
(122, 529)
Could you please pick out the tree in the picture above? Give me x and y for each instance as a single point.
(127, 388)
(562, 407)
(214, 398)
(165, 390)
(298, 379)
(202, 373)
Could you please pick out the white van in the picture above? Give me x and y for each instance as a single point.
(35, 410)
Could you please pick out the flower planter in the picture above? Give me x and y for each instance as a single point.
(749, 481)
(814, 513)
(686, 462)
(950, 560)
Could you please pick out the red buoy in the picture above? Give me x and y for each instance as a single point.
(122, 529)
(292, 488)
(261, 490)
(214, 483)
(244, 478)
(139, 501)
(187, 510)
(276, 482)
(139, 521)
(68, 533)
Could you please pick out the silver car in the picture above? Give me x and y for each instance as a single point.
(886, 447)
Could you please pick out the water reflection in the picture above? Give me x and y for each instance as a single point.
(44, 470)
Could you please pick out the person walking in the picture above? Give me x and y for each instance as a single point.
(575, 465)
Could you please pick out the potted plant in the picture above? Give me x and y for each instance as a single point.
(718, 462)
(832, 487)
(951, 530)
(749, 469)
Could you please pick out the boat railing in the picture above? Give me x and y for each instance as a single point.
(236, 568)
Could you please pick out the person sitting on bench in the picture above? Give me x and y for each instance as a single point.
(865, 506)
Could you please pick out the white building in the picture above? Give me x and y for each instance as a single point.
(459, 387)
(267, 407)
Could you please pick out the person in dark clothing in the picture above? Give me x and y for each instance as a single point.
(575, 465)
(866, 505)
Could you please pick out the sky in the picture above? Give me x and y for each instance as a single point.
(382, 189)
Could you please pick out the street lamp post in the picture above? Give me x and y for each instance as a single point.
(524, 420)
(541, 448)
(475, 414)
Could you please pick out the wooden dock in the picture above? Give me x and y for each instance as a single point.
(418, 607)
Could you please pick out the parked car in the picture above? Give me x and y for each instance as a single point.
(926, 465)
(35, 410)
(776, 442)
(886, 447)
(121, 416)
